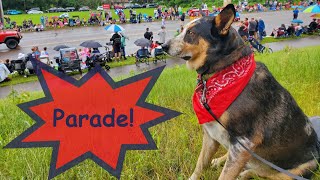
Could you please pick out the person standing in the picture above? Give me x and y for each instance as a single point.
(162, 34)
(148, 34)
(4, 72)
(252, 27)
(177, 32)
(42, 20)
(180, 11)
(45, 55)
(246, 24)
(36, 53)
(123, 45)
(242, 32)
(163, 22)
(116, 42)
(261, 28)
(295, 13)
(183, 16)
(257, 29)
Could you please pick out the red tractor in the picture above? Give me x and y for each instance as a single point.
(10, 38)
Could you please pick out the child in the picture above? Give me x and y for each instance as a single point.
(163, 23)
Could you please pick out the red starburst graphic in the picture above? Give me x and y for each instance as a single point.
(94, 117)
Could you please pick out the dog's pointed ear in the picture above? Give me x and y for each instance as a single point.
(225, 18)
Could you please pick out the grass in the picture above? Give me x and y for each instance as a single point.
(84, 14)
(179, 140)
(272, 39)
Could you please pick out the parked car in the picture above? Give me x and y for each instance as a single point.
(136, 6)
(64, 15)
(60, 9)
(10, 38)
(54, 9)
(13, 12)
(152, 5)
(84, 8)
(70, 9)
(34, 12)
(144, 5)
(118, 7)
(35, 8)
(99, 8)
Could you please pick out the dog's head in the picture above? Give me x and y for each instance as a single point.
(206, 41)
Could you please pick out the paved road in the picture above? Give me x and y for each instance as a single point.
(125, 70)
(73, 37)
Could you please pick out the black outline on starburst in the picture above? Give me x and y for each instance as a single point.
(53, 172)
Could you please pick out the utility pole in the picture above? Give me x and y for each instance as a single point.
(1, 13)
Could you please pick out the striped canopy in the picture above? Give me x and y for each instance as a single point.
(114, 28)
(312, 9)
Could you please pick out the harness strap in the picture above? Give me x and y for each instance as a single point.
(250, 151)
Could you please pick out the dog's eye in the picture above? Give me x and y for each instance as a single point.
(190, 32)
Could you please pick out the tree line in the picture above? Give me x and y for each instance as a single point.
(46, 4)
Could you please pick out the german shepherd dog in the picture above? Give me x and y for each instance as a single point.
(264, 117)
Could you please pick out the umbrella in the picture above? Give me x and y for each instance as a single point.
(142, 42)
(114, 28)
(312, 9)
(316, 16)
(297, 21)
(57, 48)
(90, 44)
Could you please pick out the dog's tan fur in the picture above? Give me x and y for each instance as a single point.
(198, 54)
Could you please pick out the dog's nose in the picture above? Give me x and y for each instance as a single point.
(166, 46)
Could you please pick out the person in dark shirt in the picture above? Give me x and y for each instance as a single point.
(183, 16)
(242, 31)
(8, 65)
(148, 35)
(116, 43)
(295, 13)
(313, 25)
(290, 30)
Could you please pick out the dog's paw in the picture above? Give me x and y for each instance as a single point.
(246, 175)
(218, 161)
(194, 177)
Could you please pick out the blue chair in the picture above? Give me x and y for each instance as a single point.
(299, 32)
(159, 54)
(142, 55)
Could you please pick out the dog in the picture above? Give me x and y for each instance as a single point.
(264, 117)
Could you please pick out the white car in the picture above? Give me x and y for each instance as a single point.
(35, 12)
(64, 15)
(99, 8)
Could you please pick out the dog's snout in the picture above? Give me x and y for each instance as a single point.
(166, 46)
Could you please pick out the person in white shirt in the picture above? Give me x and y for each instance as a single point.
(45, 56)
(162, 34)
(4, 72)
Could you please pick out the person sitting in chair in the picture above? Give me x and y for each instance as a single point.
(313, 26)
(254, 43)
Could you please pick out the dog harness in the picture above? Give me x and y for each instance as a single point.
(220, 90)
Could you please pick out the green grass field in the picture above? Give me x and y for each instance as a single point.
(179, 140)
(272, 39)
(84, 14)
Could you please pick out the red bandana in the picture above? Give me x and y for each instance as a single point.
(223, 88)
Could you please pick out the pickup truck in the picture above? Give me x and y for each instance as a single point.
(10, 38)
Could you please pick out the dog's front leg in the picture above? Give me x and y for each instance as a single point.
(209, 148)
(236, 161)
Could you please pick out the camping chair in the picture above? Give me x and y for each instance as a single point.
(142, 55)
(159, 54)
